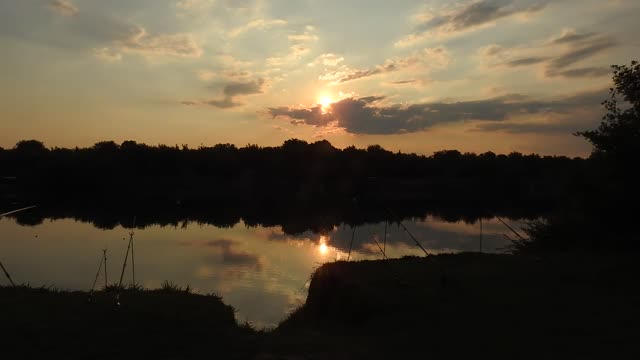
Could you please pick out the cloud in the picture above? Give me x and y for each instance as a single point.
(584, 72)
(229, 92)
(328, 59)
(107, 54)
(582, 52)
(528, 128)
(194, 4)
(367, 116)
(568, 116)
(429, 57)
(224, 103)
(64, 7)
(230, 256)
(527, 61)
(568, 49)
(229, 61)
(206, 75)
(492, 50)
(403, 82)
(259, 24)
(296, 52)
(305, 37)
(468, 16)
(136, 40)
(244, 88)
(571, 36)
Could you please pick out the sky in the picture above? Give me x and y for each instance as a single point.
(412, 76)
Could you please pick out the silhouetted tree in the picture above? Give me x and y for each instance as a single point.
(600, 210)
(618, 136)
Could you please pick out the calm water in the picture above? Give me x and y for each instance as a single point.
(261, 271)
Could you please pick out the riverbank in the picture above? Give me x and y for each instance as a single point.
(169, 323)
(559, 306)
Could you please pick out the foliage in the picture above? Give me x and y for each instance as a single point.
(597, 215)
(618, 135)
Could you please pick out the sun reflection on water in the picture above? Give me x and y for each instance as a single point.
(322, 246)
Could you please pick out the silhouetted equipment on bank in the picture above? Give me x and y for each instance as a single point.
(4, 270)
(133, 258)
(378, 244)
(384, 244)
(95, 281)
(103, 261)
(512, 230)
(7, 274)
(408, 232)
(106, 275)
(17, 211)
(480, 234)
(353, 235)
(124, 264)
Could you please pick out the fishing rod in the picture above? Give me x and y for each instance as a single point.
(19, 210)
(133, 258)
(510, 228)
(106, 276)
(124, 264)
(353, 235)
(408, 232)
(377, 243)
(4, 270)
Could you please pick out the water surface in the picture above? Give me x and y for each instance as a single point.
(263, 272)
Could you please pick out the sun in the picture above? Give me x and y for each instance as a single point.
(325, 102)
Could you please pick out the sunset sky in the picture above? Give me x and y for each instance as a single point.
(414, 76)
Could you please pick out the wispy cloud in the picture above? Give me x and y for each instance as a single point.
(526, 61)
(304, 37)
(468, 16)
(430, 58)
(583, 51)
(230, 255)
(64, 7)
(230, 92)
(194, 4)
(257, 24)
(571, 36)
(560, 53)
(138, 41)
(107, 54)
(296, 52)
(327, 60)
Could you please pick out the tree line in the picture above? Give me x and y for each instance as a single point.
(295, 171)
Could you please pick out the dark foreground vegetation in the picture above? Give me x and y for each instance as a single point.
(600, 212)
(168, 323)
(562, 306)
(507, 306)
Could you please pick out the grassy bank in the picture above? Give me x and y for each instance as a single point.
(162, 324)
(559, 306)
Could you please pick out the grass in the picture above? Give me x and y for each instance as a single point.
(559, 306)
(445, 306)
(165, 323)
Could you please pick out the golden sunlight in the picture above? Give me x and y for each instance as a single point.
(324, 103)
(322, 247)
